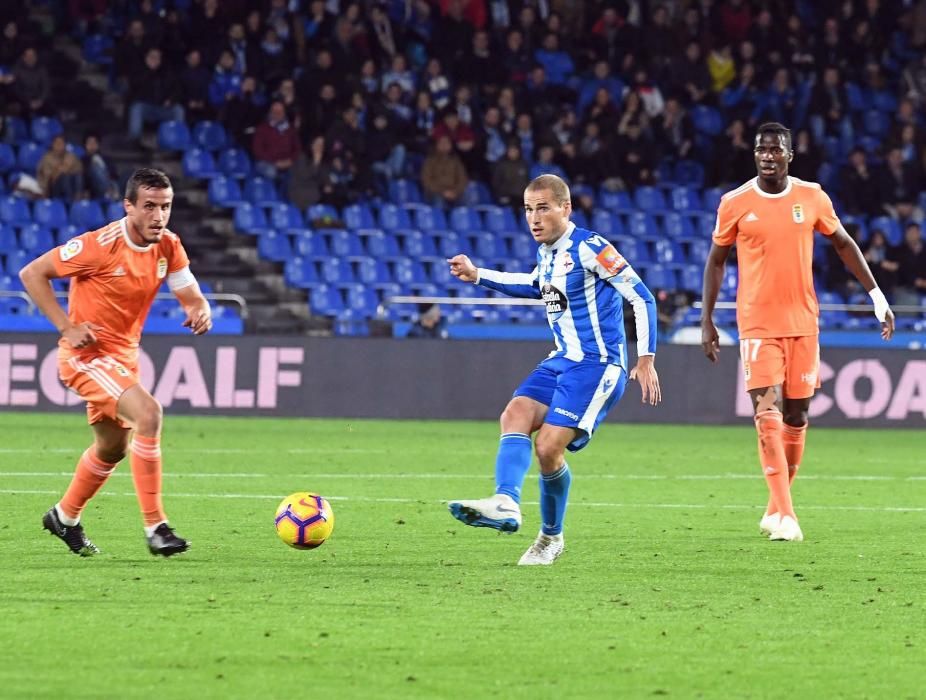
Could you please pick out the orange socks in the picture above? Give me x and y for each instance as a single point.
(89, 477)
(146, 473)
(793, 438)
(772, 458)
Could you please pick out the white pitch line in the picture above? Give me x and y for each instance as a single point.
(483, 477)
(588, 504)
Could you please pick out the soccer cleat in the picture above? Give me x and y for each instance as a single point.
(545, 550)
(499, 512)
(768, 523)
(787, 531)
(72, 535)
(163, 541)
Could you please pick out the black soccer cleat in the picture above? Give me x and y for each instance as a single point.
(72, 535)
(164, 542)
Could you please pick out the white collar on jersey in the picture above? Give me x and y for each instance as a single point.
(562, 241)
(128, 240)
(785, 191)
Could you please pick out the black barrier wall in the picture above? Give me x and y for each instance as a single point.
(417, 379)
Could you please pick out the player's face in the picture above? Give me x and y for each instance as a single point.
(149, 215)
(772, 157)
(546, 217)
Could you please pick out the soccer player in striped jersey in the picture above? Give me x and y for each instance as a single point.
(772, 219)
(115, 274)
(583, 281)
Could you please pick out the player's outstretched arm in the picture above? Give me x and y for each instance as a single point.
(713, 278)
(463, 269)
(36, 278)
(852, 257)
(198, 313)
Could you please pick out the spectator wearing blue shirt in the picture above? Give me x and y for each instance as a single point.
(226, 80)
(557, 63)
(601, 79)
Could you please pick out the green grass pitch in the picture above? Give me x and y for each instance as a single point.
(665, 588)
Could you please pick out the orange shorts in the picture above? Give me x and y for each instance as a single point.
(792, 362)
(99, 380)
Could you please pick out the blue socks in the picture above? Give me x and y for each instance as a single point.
(511, 464)
(554, 492)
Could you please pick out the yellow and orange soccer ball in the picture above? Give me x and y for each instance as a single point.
(304, 520)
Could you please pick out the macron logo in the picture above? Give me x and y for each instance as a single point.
(751, 217)
(564, 412)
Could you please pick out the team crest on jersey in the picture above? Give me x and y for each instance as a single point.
(71, 249)
(611, 260)
(162, 268)
(797, 213)
(567, 261)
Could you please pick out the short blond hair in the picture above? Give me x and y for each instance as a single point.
(555, 184)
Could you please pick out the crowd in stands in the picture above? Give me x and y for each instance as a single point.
(334, 99)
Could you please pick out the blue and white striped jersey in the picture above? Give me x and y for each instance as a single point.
(583, 280)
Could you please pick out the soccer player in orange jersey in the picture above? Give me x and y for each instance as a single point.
(115, 274)
(772, 219)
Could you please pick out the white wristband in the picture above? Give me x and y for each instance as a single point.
(881, 305)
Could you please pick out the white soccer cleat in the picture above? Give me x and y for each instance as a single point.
(787, 531)
(769, 523)
(499, 512)
(545, 550)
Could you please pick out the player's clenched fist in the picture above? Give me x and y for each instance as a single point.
(81, 335)
(462, 267)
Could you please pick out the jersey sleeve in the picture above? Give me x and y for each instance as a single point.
(725, 228)
(79, 257)
(513, 284)
(178, 257)
(604, 261)
(827, 222)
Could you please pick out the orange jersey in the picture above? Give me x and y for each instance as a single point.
(773, 234)
(114, 282)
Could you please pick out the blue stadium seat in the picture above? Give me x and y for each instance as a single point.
(711, 198)
(261, 190)
(361, 299)
(689, 173)
(326, 300)
(634, 251)
(311, 244)
(285, 216)
(235, 162)
(606, 223)
(15, 210)
(273, 245)
(174, 136)
(704, 224)
(392, 217)
(66, 233)
(225, 192)
(660, 277)
(336, 270)
(342, 242)
(691, 278)
(649, 198)
(685, 199)
(498, 218)
(44, 129)
(404, 191)
(377, 243)
(416, 244)
(7, 158)
(438, 272)
(29, 155)
(885, 101)
(209, 135)
(669, 252)
(477, 192)
(486, 244)
(8, 240)
(615, 201)
(115, 210)
(371, 270)
(36, 238)
(523, 248)
(15, 262)
(462, 219)
(643, 225)
(300, 272)
(88, 214)
(677, 225)
(10, 283)
(876, 123)
(859, 221)
(200, 164)
(427, 218)
(358, 216)
(319, 213)
(97, 49)
(250, 218)
(50, 212)
(407, 272)
(698, 249)
(707, 120)
(16, 130)
(890, 227)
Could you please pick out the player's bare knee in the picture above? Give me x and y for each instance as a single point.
(549, 454)
(150, 418)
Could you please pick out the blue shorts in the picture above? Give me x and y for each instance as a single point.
(579, 394)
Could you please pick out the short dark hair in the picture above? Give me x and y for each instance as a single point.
(776, 129)
(149, 178)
